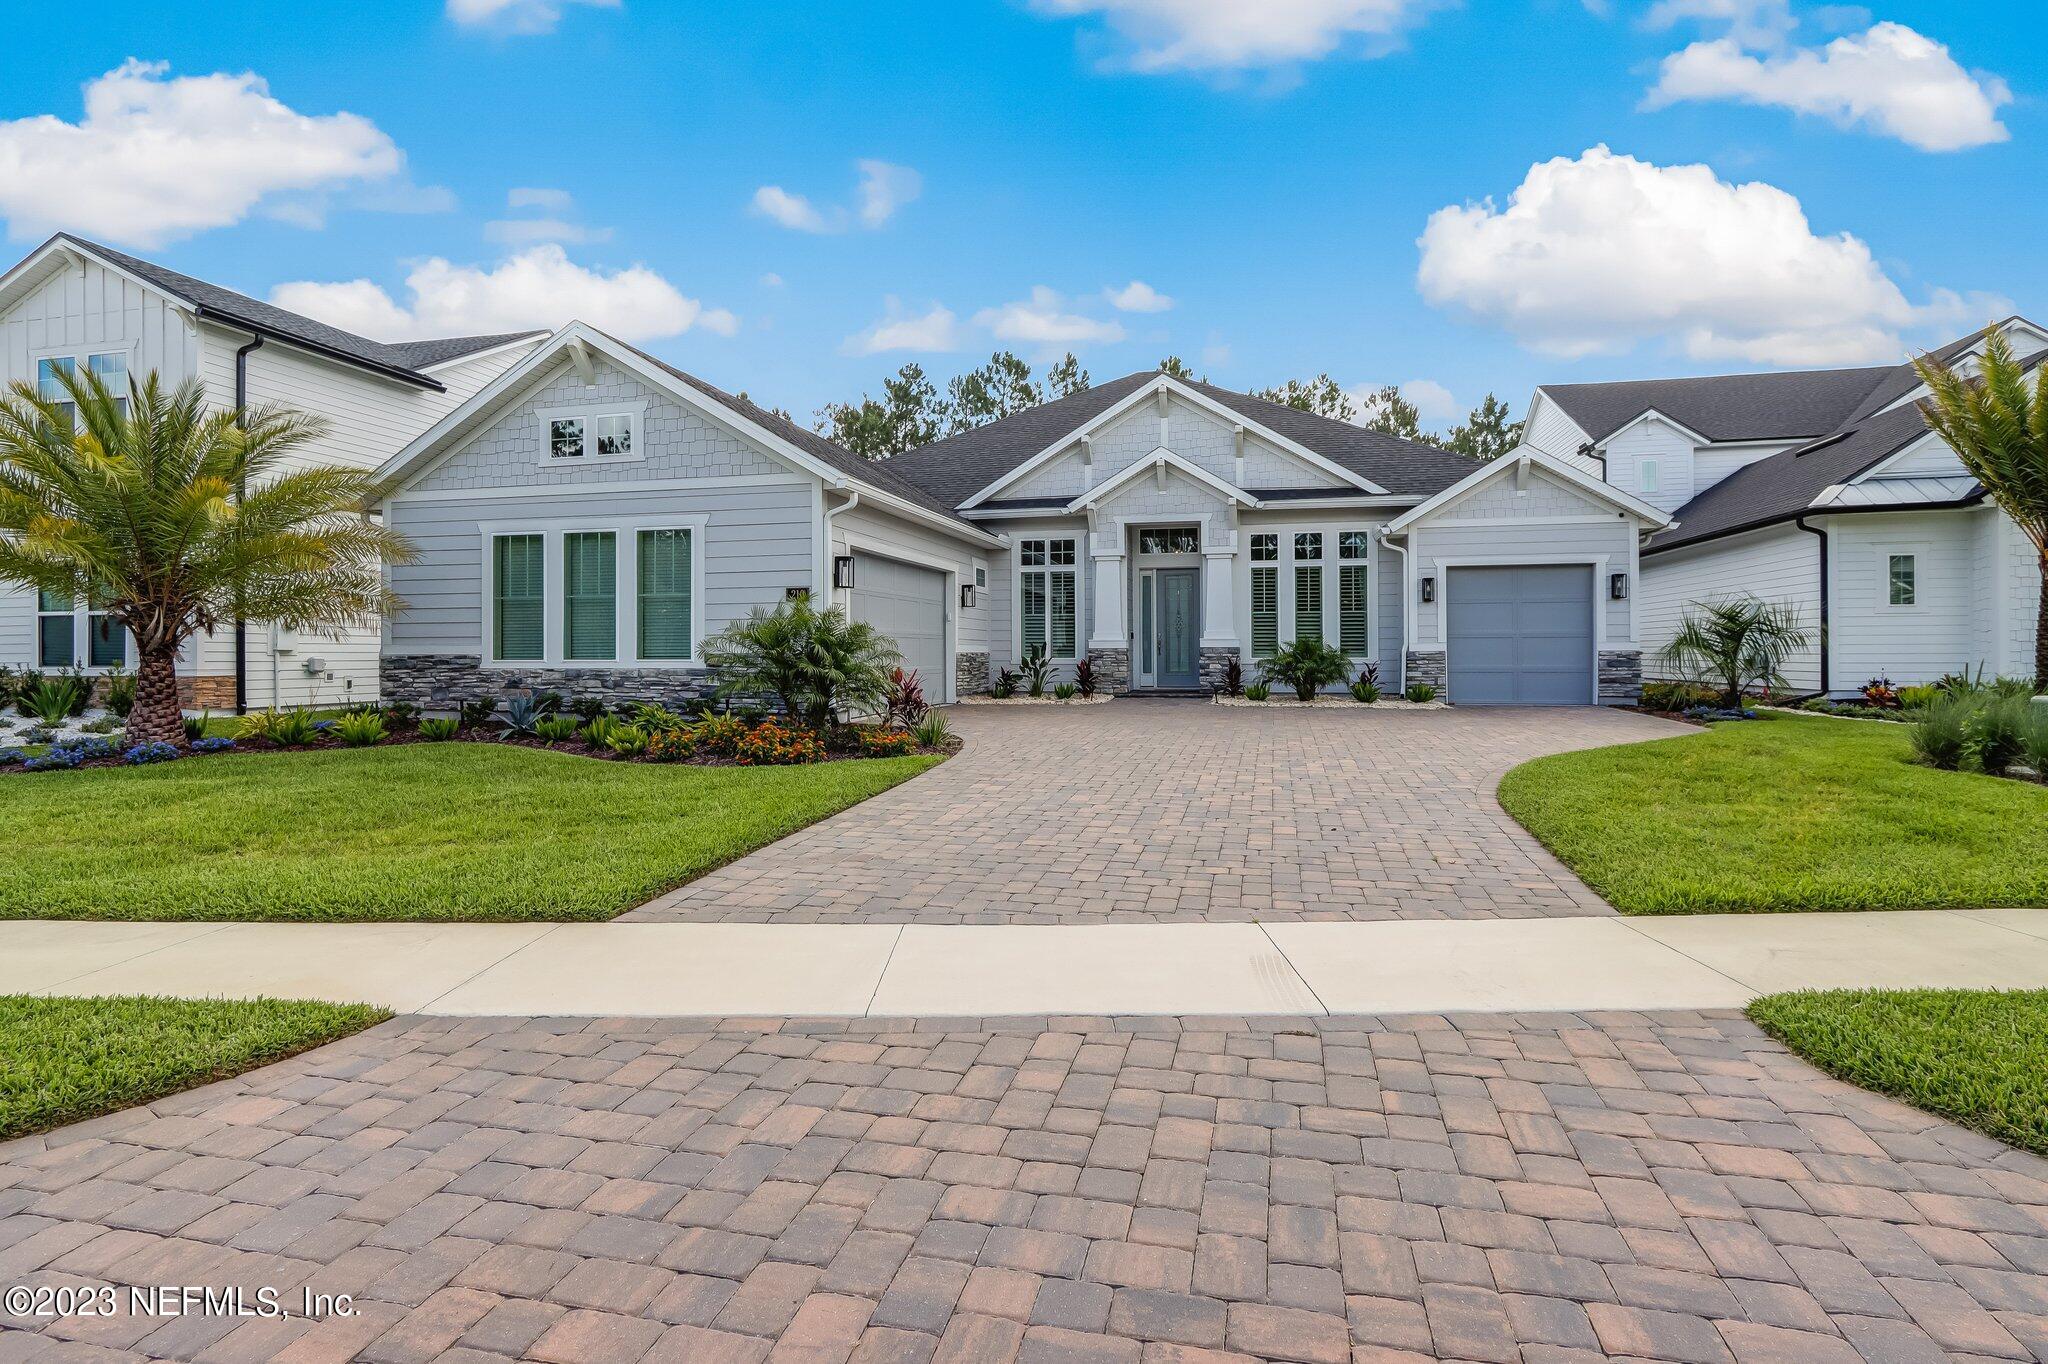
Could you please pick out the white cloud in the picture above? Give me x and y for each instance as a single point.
(539, 287)
(549, 226)
(1599, 253)
(517, 16)
(935, 330)
(1890, 79)
(1137, 297)
(1230, 35)
(771, 280)
(884, 188)
(549, 200)
(156, 157)
(1433, 402)
(1040, 321)
(791, 210)
(1752, 23)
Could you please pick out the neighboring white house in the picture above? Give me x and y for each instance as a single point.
(592, 516)
(76, 304)
(1820, 488)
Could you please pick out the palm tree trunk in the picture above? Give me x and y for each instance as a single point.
(2041, 631)
(157, 716)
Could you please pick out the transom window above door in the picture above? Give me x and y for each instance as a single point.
(1169, 540)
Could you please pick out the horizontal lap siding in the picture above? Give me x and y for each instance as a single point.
(1437, 541)
(878, 532)
(1780, 565)
(1939, 633)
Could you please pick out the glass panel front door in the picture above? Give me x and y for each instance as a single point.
(1179, 627)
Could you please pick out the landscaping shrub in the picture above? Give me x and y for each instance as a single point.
(1307, 665)
(295, 728)
(720, 735)
(1676, 696)
(106, 724)
(154, 752)
(904, 702)
(818, 663)
(361, 730)
(440, 728)
(196, 725)
(49, 700)
(1233, 676)
(2022, 688)
(1739, 644)
(1065, 691)
(1037, 667)
(401, 714)
(257, 724)
(885, 743)
(1084, 676)
(1992, 733)
(672, 745)
(120, 693)
(476, 714)
(598, 733)
(520, 714)
(652, 716)
(220, 745)
(587, 708)
(1918, 698)
(770, 744)
(1367, 687)
(1421, 693)
(1257, 691)
(11, 757)
(628, 741)
(10, 686)
(1940, 737)
(1880, 692)
(1005, 685)
(81, 691)
(55, 759)
(2034, 740)
(933, 731)
(555, 729)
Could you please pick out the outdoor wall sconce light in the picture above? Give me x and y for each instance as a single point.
(967, 594)
(1429, 589)
(842, 570)
(1617, 587)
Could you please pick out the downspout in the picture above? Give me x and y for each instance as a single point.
(1407, 603)
(852, 501)
(241, 489)
(1822, 536)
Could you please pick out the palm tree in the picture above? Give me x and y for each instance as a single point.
(1736, 642)
(174, 520)
(1998, 426)
(817, 663)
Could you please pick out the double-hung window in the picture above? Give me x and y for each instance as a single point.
(1354, 616)
(59, 625)
(1265, 594)
(665, 586)
(1308, 586)
(519, 597)
(1048, 593)
(590, 595)
(1902, 572)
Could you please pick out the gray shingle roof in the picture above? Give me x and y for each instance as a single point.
(402, 361)
(1726, 407)
(960, 466)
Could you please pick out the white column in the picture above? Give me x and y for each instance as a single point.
(1110, 592)
(1219, 597)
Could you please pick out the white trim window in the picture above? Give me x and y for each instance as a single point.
(65, 629)
(1307, 567)
(1265, 594)
(110, 366)
(518, 594)
(1902, 580)
(1649, 478)
(1048, 595)
(1354, 593)
(598, 433)
(573, 595)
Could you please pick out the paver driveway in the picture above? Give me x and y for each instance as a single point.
(1151, 811)
(1542, 1189)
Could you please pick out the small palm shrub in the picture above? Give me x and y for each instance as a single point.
(628, 741)
(440, 729)
(817, 663)
(933, 731)
(1307, 665)
(884, 743)
(904, 703)
(555, 729)
(49, 700)
(1738, 644)
(720, 734)
(1037, 667)
(1992, 734)
(1257, 691)
(672, 745)
(1421, 693)
(1084, 676)
(120, 693)
(770, 744)
(1065, 691)
(360, 730)
(1940, 737)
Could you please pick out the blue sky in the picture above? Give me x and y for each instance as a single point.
(1271, 180)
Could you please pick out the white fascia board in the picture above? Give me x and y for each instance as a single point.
(1144, 392)
(1652, 414)
(1527, 457)
(1158, 459)
(1540, 396)
(871, 496)
(32, 270)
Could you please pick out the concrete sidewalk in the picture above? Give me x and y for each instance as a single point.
(888, 970)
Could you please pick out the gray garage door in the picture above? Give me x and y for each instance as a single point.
(908, 604)
(1521, 636)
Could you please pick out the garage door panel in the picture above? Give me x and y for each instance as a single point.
(1521, 635)
(906, 602)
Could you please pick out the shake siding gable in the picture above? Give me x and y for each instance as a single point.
(1191, 432)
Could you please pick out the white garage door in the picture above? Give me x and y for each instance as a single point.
(1521, 636)
(907, 603)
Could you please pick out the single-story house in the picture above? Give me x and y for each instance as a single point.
(1824, 489)
(589, 518)
(74, 305)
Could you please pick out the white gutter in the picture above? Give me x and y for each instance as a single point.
(824, 587)
(1407, 603)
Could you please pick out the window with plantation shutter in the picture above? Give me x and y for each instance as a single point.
(665, 624)
(590, 594)
(1049, 597)
(1308, 603)
(518, 595)
(1265, 612)
(1353, 636)
(1062, 615)
(1034, 611)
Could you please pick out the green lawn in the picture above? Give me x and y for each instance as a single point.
(1977, 1057)
(418, 831)
(1784, 813)
(65, 1060)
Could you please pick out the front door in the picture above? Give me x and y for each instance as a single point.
(1180, 627)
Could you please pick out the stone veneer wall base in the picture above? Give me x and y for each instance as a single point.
(445, 681)
(1427, 666)
(1215, 666)
(970, 674)
(1621, 677)
(1112, 670)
